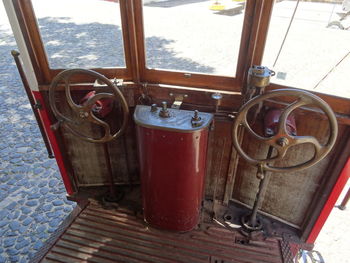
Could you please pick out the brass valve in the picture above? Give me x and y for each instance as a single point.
(196, 120)
(164, 112)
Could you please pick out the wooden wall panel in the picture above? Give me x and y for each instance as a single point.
(289, 195)
(88, 159)
(218, 160)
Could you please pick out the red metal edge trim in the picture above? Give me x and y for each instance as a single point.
(332, 199)
(52, 138)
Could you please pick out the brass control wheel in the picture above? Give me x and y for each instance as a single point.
(85, 111)
(282, 140)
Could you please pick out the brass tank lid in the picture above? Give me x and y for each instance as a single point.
(174, 119)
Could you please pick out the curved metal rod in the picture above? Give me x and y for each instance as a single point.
(85, 111)
(282, 129)
(307, 139)
(88, 105)
(282, 141)
(75, 107)
(252, 132)
(92, 118)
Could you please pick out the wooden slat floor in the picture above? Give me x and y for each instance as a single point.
(105, 236)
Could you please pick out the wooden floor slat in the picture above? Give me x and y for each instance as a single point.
(216, 247)
(135, 244)
(155, 243)
(105, 236)
(71, 255)
(220, 241)
(100, 254)
(195, 246)
(137, 252)
(50, 260)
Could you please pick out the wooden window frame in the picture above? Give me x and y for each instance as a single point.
(134, 50)
(254, 33)
(44, 74)
(215, 82)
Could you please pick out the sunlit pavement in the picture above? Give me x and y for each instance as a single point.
(334, 239)
(32, 196)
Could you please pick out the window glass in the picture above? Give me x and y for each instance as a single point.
(310, 49)
(194, 36)
(81, 33)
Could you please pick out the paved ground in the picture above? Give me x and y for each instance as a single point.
(32, 197)
(31, 193)
(334, 239)
(313, 56)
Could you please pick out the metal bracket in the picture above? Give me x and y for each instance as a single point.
(145, 98)
(178, 100)
(259, 76)
(56, 125)
(38, 105)
(118, 82)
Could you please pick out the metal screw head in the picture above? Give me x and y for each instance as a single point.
(216, 96)
(269, 132)
(260, 176)
(258, 69)
(196, 116)
(83, 114)
(153, 107)
(164, 113)
(283, 141)
(164, 105)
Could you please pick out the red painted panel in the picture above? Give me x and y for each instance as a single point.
(52, 138)
(172, 176)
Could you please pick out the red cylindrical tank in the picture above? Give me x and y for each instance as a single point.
(172, 153)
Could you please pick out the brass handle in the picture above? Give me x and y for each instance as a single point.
(282, 140)
(85, 111)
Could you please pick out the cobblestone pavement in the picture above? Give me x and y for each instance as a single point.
(32, 196)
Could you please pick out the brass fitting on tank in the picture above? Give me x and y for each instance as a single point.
(164, 112)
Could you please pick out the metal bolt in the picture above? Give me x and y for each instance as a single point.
(269, 132)
(164, 113)
(259, 175)
(164, 105)
(83, 114)
(153, 107)
(283, 141)
(216, 96)
(258, 70)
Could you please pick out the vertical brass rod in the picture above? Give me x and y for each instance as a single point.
(32, 102)
(125, 146)
(109, 172)
(345, 200)
(261, 192)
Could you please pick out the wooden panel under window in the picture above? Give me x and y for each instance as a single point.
(289, 195)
